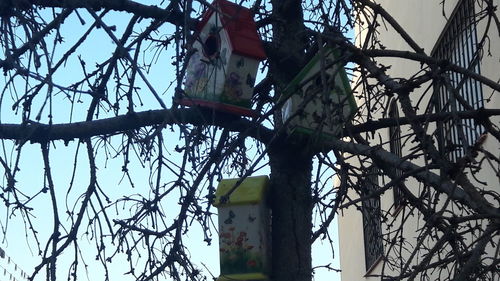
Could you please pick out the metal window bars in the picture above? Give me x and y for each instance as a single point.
(372, 220)
(456, 92)
(396, 148)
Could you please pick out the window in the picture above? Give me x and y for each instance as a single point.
(372, 220)
(396, 148)
(454, 93)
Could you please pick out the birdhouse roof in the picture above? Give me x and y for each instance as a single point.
(240, 26)
(250, 191)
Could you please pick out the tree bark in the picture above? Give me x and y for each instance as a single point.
(291, 204)
(291, 200)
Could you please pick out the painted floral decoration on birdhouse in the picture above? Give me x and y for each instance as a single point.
(227, 51)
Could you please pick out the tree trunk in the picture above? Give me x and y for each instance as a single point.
(291, 204)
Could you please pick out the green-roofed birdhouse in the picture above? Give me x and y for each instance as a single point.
(244, 228)
(320, 100)
(227, 51)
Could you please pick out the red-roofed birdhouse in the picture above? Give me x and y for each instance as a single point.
(227, 51)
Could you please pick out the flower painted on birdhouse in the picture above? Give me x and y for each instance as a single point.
(221, 72)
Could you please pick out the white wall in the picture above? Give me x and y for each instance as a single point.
(424, 22)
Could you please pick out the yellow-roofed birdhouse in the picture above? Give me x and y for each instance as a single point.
(244, 228)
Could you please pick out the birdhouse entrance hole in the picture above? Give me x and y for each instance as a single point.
(211, 46)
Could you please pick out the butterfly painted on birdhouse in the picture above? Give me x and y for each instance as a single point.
(231, 217)
(251, 218)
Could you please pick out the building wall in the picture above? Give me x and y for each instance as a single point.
(424, 22)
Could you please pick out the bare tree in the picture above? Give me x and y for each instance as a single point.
(113, 108)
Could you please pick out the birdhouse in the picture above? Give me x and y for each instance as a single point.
(319, 99)
(244, 228)
(227, 51)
